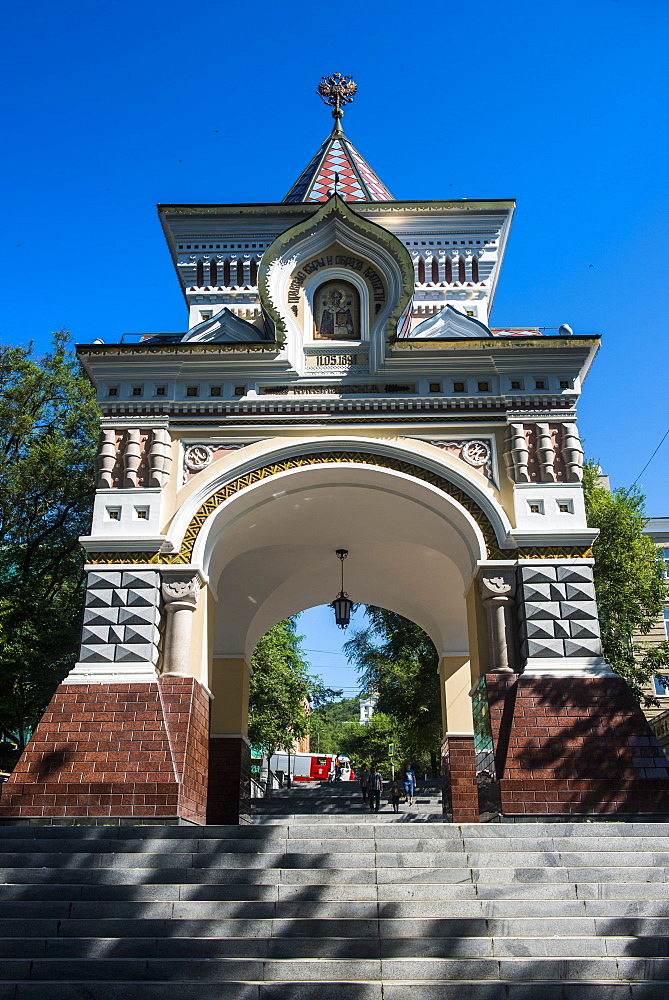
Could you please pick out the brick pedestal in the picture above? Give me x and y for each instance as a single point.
(229, 779)
(573, 745)
(458, 772)
(116, 750)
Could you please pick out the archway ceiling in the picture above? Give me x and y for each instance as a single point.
(272, 554)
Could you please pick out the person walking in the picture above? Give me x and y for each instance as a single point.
(375, 789)
(409, 779)
(363, 780)
(394, 795)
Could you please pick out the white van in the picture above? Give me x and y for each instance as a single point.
(347, 772)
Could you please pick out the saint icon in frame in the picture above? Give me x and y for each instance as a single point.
(337, 312)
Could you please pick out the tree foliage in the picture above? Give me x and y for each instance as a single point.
(48, 439)
(279, 689)
(329, 724)
(629, 581)
(397, 660)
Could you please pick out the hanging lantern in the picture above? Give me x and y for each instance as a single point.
(342, 604)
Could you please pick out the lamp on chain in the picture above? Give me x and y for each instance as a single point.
(342, 604)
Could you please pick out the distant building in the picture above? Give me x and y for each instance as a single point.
(658, 716)
(367, 706)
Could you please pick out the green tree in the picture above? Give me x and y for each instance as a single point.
(628, 581)
(279, 689)
(397, 660)
(48, 439)
(329, 722)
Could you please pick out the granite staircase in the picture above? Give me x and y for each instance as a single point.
(334, 905)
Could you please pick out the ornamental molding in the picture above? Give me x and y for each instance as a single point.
(476, 452)
(334, 223)
(184, 555)
(182, 589)
(497, 584)
(198, 457)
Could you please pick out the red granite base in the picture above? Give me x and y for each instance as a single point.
(229, 779)
(574, 745)
(459, 787)
(116, 750)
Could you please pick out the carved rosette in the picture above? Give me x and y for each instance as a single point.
(475, 452)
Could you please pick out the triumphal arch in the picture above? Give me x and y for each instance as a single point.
(339, 386)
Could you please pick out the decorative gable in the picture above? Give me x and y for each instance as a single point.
(449, 322)
(225, 327)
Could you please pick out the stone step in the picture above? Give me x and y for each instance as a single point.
(327, 892)
(284, 948)
(314, 990)
(353, 928)
(323, 910)
(170, 970)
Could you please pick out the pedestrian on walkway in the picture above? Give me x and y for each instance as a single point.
(409, 779)
(394, 795)
(363, 780)
(375, 789)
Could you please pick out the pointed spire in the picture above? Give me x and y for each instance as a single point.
(338, 163)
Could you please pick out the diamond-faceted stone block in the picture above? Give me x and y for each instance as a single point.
(103, 581)
(538, 628)
(584, 629)
(536, 592)
(548, 610)
(143, 615)
(100, 616)
(562, 630)
(141, 633)
(141, 598)
(580, 591)
(94, 633)
(582, 647)
(140, 579)
(584, 609)
(135, 652)
(574, 574)
(545, 647)
(99, 598)
(97, 654)
(538, 574)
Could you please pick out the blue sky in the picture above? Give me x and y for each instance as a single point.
(112, 108)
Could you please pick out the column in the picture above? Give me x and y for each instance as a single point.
(180, 594)
(498, 588)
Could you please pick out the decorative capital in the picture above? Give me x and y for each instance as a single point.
(497, 583)
(337, 91)
(185, 589)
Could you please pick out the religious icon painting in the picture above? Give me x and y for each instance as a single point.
(337, 312)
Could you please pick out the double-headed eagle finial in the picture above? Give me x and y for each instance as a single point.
(336, 91)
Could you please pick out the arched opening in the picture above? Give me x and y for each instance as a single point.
(268, 552)
(367, 696)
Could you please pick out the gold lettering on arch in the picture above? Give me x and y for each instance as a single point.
(337, 260)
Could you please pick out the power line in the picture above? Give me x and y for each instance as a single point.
(651, 458)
